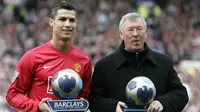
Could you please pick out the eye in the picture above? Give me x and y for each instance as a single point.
(62, 19)
(72, 20)
(130, 29)
(140, 28)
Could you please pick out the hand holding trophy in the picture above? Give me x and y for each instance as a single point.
(67, 84)
(140, 92)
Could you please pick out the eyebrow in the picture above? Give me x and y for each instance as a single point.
(67, 17)
(135, 27)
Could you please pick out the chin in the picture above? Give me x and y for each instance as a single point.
(66, 38)
(136, 49)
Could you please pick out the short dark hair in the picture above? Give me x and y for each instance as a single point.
(63, 4)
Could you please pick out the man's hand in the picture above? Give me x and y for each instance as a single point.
(119, 106)
(43, 107)
(155, 106)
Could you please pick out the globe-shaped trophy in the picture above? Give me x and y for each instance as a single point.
(140, 91)
(67, 84)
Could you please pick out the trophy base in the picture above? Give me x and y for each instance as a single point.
(76, 105)
(133, 110)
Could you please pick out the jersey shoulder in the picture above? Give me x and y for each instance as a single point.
(78, 53)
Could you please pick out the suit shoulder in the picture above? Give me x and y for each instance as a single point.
(162, 58)
(107, 60)
(161, 55)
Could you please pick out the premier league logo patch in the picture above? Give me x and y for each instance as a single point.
(15, 75)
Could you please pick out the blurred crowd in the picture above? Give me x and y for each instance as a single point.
(173, 30)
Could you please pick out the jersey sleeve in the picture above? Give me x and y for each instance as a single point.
(21, 84)
(86, 81)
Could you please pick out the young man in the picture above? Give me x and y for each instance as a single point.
(31, 84)
(134, 58)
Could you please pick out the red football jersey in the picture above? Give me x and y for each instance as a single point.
(32, 78)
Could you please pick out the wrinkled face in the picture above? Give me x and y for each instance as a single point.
(64, 24)
(134, 34)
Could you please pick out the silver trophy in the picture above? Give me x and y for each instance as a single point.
(140, 92)
(67, 84)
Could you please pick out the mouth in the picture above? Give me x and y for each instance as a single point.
(67, 31)
(135, 41)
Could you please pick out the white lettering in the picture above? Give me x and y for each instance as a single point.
(68, 104)
(80, 104)
(56, 104)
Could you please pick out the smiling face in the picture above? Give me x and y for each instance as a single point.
(64, 24)
(134, 34)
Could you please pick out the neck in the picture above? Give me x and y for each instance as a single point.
(135, 50)
(62, 46)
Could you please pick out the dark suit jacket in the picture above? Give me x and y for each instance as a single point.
(113, 72)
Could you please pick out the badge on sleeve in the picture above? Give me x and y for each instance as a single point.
(15, 75)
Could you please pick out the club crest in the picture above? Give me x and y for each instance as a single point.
(77, 67)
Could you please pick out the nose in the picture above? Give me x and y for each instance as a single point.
(134, 32)
(67, 23)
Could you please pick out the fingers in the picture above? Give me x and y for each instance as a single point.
(122, 104)
(81, 98)
(43, 107)
(155, 106)
(160, 109)
(46, 99)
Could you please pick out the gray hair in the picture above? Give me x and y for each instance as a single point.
(131, 16)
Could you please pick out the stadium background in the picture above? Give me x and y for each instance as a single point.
(173, 27)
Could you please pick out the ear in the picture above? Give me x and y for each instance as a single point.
(120, 34)
(146, 33)
(51, 22)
